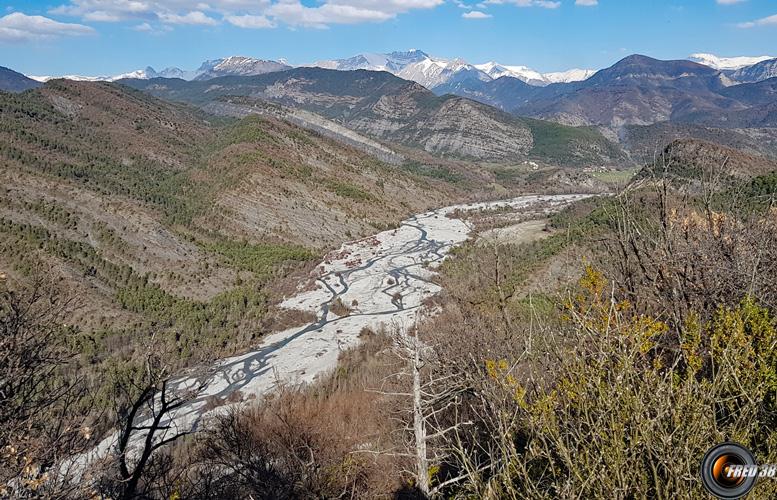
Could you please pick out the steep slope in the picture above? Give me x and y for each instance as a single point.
(757, 72)
(637, 90)
(693, 160)
(11, 81)
(151, 213)
(387, 108)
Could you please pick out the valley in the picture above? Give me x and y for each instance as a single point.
(378, 283)
(390, 275)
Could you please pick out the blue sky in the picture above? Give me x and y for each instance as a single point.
(90, 37)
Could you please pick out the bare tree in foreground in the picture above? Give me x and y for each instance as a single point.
(433, 399)
(145, 419)
(43, 405)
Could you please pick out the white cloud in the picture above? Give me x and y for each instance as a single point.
(588, 3)
(159, 29)
(250, 22)
(344, 11)
(476, 15)
(196, 18)
(17, 27)
(545, 4)
(320, 17)
(243, 13)
(765, 21)
(729, 2)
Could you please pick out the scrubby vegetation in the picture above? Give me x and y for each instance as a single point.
(260, 259)
(565, 145)
(661, 349)
(656, 341)
(601, 361)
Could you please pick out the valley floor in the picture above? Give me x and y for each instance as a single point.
(376, 282)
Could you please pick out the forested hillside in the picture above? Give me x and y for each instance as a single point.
(630, 328)
(154, 223)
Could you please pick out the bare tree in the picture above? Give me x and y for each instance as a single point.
(432, 400)
(43, 406)
(145, 412)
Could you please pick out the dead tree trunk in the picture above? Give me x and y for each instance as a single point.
(419, 422)
(430, 396)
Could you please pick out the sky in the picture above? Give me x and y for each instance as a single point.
(104, 37)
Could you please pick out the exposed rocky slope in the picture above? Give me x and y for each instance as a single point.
(396, 111)
(757, 72)
(147, 208)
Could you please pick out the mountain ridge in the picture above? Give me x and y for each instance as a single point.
(425, 69)
(13, 81)
(392, 110)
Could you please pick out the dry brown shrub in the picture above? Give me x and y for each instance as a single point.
(339, 308)
(320, 441)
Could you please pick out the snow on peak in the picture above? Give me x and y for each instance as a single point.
(432, 72)
(138, 74)
(232, 65)
(392, 62)
(417, 66)
(523, 73)
(572, 75)
(533, 77)
(727, 63)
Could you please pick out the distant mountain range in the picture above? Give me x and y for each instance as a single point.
(434, 73)
(386, 97)
(420, 67)
(727, 63)
(396, 112)
(229, 66)
(638, 90)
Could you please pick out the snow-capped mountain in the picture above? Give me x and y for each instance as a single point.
(431, 72)
(756, 73)
(533, 77)
(569, 76)
(392, 62)
(434, 72)
(234, 65)
(727, 63)
(141, 74)
(523, 73)
(237, 66)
